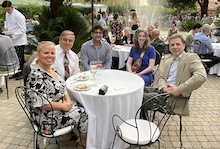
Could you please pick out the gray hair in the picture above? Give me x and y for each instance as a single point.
(66, 32)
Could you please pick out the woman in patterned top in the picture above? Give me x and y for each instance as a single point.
(116, 28)
(51, 85)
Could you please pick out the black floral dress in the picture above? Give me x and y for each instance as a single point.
(54, 90)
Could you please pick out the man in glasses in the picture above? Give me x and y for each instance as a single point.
(66, 62)
(96, 49)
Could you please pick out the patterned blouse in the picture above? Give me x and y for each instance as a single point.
(53, 90)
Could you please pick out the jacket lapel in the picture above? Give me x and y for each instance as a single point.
(167, 68)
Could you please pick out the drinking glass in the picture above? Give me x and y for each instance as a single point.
(93, 69)
(98, 66)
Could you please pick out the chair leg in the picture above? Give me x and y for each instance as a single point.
(114, 141)
(181, 127)
(35, 141)
(6, 85)
(58, 142)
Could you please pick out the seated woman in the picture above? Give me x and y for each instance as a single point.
(45, 80)
(172, 31)
(141, 45)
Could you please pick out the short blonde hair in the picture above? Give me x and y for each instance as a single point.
(43, 44)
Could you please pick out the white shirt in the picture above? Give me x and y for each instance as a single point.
(59, 62)
(16, 24)
(58, 65)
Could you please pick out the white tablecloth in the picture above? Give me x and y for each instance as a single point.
(124, 97)
(216, 68)
(122, 52)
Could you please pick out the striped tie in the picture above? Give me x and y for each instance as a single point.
(66, 66)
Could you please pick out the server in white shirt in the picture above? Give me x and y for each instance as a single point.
(66, 42)
(15, 28)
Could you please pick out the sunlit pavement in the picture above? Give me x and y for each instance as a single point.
(200, 130)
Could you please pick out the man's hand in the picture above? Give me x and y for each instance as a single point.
(171, 89)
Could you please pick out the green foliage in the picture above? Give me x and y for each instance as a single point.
(218, 10)
(187, 26)
(169, 11)
(120, 9)
(84, 11)
(66, 18)
(2, 17)
(217, 22)
(27, 10)
(30, 10)
(182, 4)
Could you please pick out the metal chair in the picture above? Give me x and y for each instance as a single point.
(11, 66)
(151, 90)
(144, 132)
(26, 97)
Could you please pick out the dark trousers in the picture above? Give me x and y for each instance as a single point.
(215, 59)
(131, 39)
(20, 53)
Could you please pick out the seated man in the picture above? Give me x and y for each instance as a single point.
(96, 49)
(158, 44)
(190, 36)
(203, 46)
(5, 60)
(67, 62)
(181, 74)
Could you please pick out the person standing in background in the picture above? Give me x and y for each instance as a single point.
(189, 38)
(15, 25)
(116, 28)
(102, 23)
(134, 24)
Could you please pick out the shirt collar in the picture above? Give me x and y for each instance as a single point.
(60, 50)
(178, 57)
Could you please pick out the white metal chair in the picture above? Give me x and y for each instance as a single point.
(26, 97)
(11, 66)
(144, 132)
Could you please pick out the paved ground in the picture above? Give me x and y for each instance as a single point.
(200, 130)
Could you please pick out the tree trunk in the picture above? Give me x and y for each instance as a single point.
(204, 6)
(55, 4)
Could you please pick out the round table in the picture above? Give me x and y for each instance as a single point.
(216, 68)
(124, 97)
(122, 52)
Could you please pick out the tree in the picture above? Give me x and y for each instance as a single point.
(181, 4)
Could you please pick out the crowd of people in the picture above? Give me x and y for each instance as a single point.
(179, 74)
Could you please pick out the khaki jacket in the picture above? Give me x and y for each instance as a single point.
(191, 75)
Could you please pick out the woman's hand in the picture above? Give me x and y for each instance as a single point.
(66, 106)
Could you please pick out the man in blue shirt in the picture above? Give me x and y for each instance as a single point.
(203, 46)
(96, 49)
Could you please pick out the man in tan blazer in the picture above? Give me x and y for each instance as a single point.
(180, 74)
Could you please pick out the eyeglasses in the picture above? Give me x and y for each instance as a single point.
(97, 32)
(65, 40)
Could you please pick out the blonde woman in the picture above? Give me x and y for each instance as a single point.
(134, 24)
(50, 84)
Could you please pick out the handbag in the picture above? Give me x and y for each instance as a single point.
(137, 64)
